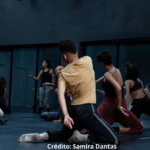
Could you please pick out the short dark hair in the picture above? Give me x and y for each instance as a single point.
(105, 57)
(132, 71)
(67, 46)
(48, 62)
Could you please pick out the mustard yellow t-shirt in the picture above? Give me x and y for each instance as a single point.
(80, 81)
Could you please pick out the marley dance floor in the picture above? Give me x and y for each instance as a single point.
(24, 122)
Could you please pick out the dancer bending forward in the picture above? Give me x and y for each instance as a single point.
(134, 86)
(114, 108)
(79, 77)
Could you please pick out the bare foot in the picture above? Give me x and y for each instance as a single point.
(29, 137)
(57, 121)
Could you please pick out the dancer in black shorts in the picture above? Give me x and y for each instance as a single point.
(134, 86)
(79, 77)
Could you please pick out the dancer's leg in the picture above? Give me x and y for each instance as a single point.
(41, 101)
(48, 96)
(147, 106)
(138, 107)
(102, 132)
(62, 135)
(106, 110)
(33, 137)
(136, 111)
(131, 122)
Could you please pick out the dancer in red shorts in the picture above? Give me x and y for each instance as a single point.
(113, 108)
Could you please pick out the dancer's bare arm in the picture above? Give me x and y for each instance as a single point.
(100, 80)
(144, 90)
(118, 89)
(51, 72)
(61, 98)
(38, 77)
(127, 85)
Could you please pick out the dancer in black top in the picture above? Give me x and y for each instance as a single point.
(134, 86)
(45, 91)
(55, 85)
(113, 108)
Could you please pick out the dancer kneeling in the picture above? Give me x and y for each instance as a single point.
(134, 86)
(114, 108)
(79, 77)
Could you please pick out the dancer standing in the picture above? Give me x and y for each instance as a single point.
(134, 86)
(55, 85)
(79, 77)
(45, 91)
(113, 108)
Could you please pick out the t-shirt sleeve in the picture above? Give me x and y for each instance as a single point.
(60, 77)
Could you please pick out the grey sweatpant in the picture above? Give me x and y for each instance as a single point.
(45, 94)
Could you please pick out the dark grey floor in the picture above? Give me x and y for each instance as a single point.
(24, 122)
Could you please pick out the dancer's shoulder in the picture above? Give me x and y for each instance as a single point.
(88, 58)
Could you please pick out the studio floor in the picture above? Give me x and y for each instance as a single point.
(24, 122)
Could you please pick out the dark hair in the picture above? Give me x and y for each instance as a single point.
(2, 85)
(67, 46)
(48, 62)
(105, 57)
(132, 71)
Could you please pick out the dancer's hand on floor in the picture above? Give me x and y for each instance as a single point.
(123, 110)
(68, 121)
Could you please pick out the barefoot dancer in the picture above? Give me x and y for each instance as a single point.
(113, 108)
(45, 91)
(79, 77)
(134, 86)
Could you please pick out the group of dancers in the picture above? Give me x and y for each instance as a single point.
(77, 80)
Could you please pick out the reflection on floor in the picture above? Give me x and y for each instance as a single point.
(22, 122)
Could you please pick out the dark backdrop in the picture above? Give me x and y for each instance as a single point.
(49, 21)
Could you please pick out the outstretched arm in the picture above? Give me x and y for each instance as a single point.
(127, 85)
(100, 80)
(38, 77)
(61, 98)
